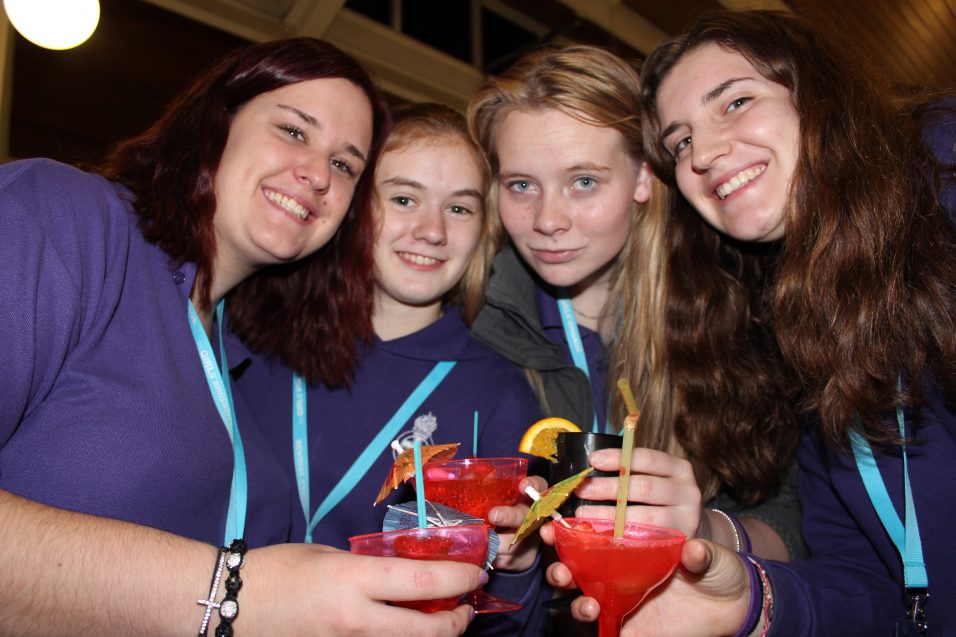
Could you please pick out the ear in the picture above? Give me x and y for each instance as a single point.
(643, 188)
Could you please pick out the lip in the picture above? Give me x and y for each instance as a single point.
(411, 259)
(280, 201)
(730, 174)
(555, 257)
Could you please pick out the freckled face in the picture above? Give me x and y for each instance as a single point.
(428, 207)
(567, 191)
(734, 136)
(288, 172)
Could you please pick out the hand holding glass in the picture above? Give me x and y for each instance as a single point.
(454, 543)
(617, 572)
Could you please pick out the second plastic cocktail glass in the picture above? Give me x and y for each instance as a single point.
(617, 572)
(454, 543)
(475, 486)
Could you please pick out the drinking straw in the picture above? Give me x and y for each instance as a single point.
(420, 490)
(627, 446)
(474, 439)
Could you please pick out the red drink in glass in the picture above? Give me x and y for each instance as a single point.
(475, 485)
(454, 543)
(617, 572)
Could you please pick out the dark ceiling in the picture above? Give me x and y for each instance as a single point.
(73, 105)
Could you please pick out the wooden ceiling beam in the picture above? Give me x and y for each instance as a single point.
(619, 21)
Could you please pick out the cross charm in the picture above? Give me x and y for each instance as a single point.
(210, 606)
(210, 603)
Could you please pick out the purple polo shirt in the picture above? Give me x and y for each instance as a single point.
(104, 406)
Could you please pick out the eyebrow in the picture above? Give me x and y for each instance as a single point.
(588, 167)
(312, 121)
(411, 183)
(718, 90)
(582, 167)
(402, 181)
(708, 97)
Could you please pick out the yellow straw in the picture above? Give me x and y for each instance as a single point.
(627, 446)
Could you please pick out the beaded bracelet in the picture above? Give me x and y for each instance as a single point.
(229, 608)
(741, 537)
(767, 611)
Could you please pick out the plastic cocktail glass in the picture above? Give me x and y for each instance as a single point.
(454, 543)
(475, 486)
(617, 572)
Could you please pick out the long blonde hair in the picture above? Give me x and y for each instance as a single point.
(599, 88)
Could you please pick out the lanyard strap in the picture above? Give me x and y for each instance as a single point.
(300, 442)
(906, 536)
(221, 391)
(573, 336)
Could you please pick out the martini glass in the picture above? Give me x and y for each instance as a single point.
(467, 543)
(617, 572)
(475, 486)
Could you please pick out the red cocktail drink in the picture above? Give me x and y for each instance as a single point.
(454, 543)
(475, 485)
(617, 572)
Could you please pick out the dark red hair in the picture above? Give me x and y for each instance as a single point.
(311, 313)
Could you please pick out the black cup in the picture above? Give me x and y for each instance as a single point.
(574, 449)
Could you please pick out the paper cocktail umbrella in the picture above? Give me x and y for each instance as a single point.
(548, 504)
(404, 466)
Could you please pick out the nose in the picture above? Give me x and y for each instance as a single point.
(707, 145)
(551, 216)
(315, 172)
(430, 227)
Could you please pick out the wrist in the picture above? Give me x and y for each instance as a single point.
(738, 539)
(759, 601)
(753, 601)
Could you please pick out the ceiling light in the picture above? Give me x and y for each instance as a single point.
(54, 24)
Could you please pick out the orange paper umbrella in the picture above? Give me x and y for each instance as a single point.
(548, 504)
(404, 466)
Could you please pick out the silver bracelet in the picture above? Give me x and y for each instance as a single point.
(733, 526)
(210, 603)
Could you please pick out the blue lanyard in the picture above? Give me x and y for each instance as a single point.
(573, 335)
(905, 537)
(219, 387)
(300, 442)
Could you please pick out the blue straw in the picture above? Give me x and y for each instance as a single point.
(474, 440)
(420, 490)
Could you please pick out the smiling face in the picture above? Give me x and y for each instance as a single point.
(287, 174)
(566, 195)
(734, 136)
(428, 207)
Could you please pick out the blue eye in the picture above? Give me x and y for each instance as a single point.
(520, 185)
(585, 182)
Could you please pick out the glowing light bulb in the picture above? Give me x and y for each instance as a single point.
(54, 24)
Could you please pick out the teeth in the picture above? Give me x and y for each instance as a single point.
(288, 204)
(417, 259)
(738, 180)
